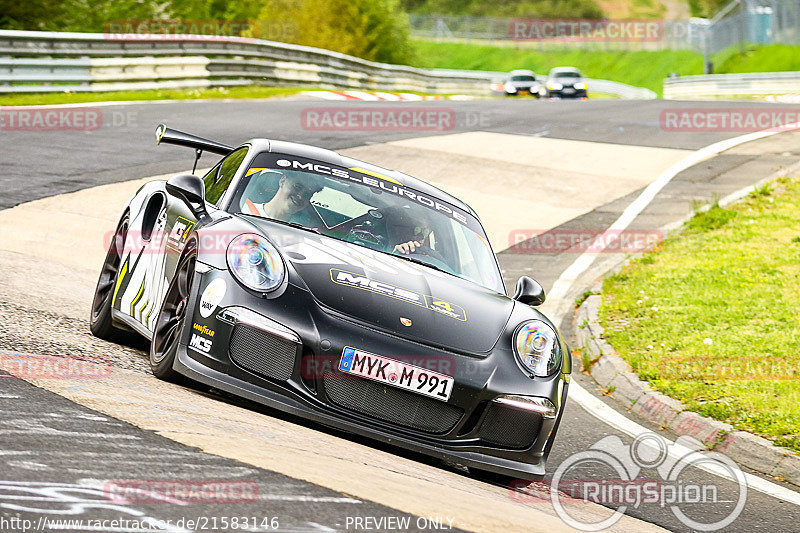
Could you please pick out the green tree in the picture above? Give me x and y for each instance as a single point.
(371, 29)
(30, 14)
(215, 9)
(509, 8)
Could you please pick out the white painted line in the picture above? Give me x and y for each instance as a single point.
(325, 95)
(559, 305)
(613, 418)
(555, 304)
(315, 499)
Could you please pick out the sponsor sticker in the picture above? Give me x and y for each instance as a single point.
(203, 329)
(378, 182)
(342, 277)
(212, 296)
(180, 231)
(200, 343)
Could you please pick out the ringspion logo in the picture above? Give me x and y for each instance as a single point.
(651, 471)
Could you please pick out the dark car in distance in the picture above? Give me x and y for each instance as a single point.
(565, 82)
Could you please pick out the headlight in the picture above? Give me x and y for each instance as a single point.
(255, 262)
(580, 85)
(554, 86)
(511, 89)
(536, 346)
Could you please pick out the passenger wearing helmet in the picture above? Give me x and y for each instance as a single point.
(409, 228)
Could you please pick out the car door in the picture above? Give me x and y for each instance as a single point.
(149, 270)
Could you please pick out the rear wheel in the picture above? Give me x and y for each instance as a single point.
(100, 321)
(166, 334)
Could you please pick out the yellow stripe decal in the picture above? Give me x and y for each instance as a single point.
(120, 277)
(376, 175)
(138, 295)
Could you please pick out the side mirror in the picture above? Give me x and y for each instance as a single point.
(529, 291)
(191, 190)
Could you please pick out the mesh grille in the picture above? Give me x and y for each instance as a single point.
(263, 353)
(391, 404)
(509, 427)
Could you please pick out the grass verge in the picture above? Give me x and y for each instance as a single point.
(639, 68)
(254, 91)
(711, 317)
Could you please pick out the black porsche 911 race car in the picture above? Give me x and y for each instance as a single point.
(348, 294)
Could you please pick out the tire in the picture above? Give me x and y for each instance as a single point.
(168, 326)
(100, 321)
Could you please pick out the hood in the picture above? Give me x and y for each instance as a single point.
(566, 81)
(391, 294)
(528, 83)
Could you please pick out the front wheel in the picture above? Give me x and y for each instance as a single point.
(166, 334)
(100, 321)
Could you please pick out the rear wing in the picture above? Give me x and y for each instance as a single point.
(169, 136)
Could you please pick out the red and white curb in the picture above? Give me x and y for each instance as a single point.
(368, 96)
(783, 98)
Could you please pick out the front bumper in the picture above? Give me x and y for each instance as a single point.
(305, 388)
(532, 90)
(566, 93)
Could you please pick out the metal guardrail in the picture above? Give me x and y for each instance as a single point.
(92, 62)
(731, 85)
(143, 60)
(622, 90)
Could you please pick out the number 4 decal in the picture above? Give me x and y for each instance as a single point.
(443, 305)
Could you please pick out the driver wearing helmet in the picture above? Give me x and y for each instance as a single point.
(293, 196)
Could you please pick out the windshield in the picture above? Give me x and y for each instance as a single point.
(368, 209)
(523, 78)
(567, 74)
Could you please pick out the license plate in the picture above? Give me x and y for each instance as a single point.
(569, 91)
(396, 373)
(523, 92)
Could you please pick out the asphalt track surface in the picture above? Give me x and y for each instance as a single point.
(47, 439)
